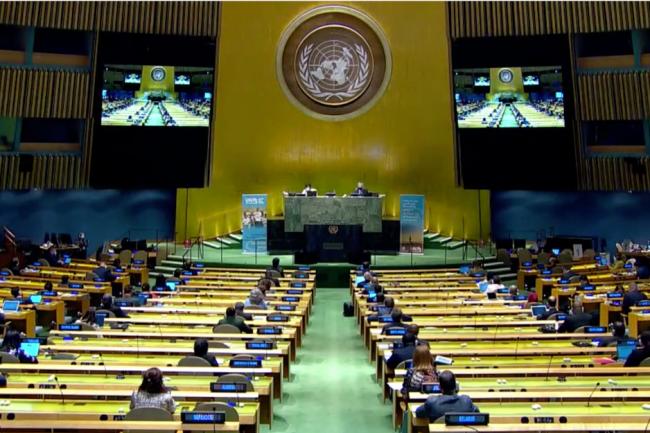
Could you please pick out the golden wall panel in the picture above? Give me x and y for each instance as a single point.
(264, 144)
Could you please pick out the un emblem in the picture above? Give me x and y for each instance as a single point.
(333, 62)
(333, 230)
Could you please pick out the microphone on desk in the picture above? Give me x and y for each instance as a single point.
(516, 346)
(548, 369)
(496, 329)
(137, 346)
(645, 430)
(592, 393)
(103, 364)
(54, 378)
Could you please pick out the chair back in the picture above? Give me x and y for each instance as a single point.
(524, 256)
(193, 361)
(273, 274)
(87, 327)
(217, 406)
(91, 276)
(7, 358)
(554, 316)
(236, 378)
(149, 414)
(141, 255)
(44, 262)
(645, 362)
(244, 357)
(6, 270)
(225, 328)
(217, 345)
(402, 365)
(108, 313)
(542, 257)
(589, 253)
(125, 257)
(580, 330)
(566, 256)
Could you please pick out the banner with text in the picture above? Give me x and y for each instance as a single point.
(411, 224)
(253, 223)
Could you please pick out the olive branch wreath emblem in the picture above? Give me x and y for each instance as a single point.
(312, 86)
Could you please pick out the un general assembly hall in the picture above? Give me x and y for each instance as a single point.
(324, 217)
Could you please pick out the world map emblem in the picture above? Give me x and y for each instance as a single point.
(333, 62)
(334, 71)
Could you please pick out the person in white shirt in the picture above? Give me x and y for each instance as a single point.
(493, 287)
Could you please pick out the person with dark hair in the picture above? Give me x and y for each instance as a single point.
(437, 406)
(402, 353)
(618, 334)
(11, 345)
(550, 302)
(239, 311)
(14, 267)
(236, 321)
(396, 321)
(65, 280)
(201, 350)
(107, 304)
(177, 278)
(161, 282)
(146, 287)
(3, 381)
(16, 293)
(578, 319)
(276, 268)
(632, 297)
(367, 277)
(641, 352)
(152, 392)
(104, 273)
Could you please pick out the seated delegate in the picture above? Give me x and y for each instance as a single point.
(152, 392)
(11, 345)
(397, 321)
(641, 352)
(449, 401)
(233, 319)
(403, 353)
(201, 350)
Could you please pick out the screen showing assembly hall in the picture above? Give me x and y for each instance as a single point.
(509, 97)
(144, 95)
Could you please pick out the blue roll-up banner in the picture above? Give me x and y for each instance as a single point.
(253, 223)
(411, 224)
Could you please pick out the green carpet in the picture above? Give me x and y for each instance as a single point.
(333, 389)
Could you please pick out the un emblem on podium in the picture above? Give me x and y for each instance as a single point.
(333, 62)
(333, 229)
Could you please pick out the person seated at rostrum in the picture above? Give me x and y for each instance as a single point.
(449, 401)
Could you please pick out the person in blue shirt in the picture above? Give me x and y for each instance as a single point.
(367, 278)
(449, 401)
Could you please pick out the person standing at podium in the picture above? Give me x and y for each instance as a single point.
(360, 190)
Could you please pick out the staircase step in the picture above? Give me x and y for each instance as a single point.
(455, 244)
(431, 236)
(492, 264)
(236, 236)
(212, 244)
(443, 240)
(509, 276)
(500, 270)
(225, 241)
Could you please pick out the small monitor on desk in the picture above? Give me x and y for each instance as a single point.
(538, 310)
(10, 306)
(36, 299)
(624, 348)
(555, 251)
(30, 347)
(312, 193)
(171, 286)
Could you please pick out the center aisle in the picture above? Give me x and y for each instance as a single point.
(333, 388)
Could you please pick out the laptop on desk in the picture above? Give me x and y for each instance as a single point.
(30, 346)
(10, 306)
(623, 350)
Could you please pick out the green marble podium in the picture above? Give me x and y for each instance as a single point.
(300, 210)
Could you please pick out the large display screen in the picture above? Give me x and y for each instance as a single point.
(509, 97)
(153, 95)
